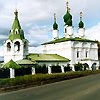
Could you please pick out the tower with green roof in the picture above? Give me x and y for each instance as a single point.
(68, 27)
(16, 46)
(55, 33)
(81, 29)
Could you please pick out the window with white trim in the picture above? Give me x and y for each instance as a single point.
(78, 54)
(86, 54)
(17, 46)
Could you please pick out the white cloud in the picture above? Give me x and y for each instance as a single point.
(1, 51)
(3, 37)
(38, 49)
(38, 34)
(37, 10)
(94, 32)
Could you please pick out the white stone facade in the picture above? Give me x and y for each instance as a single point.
(55, 34)
(81, 32)
(75, 51)
(68, 31)
(15, 50)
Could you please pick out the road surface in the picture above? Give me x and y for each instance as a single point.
(84, 88)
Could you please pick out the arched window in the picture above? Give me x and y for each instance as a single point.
(17, 46)
(93, 66)
(8, 46)
(16, 31)
(86, 66)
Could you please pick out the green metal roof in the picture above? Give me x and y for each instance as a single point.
(69, 39)
(16, 36)
(11, 64)
(47, 57)
(16, 23)
(19, 34)
(26, 62)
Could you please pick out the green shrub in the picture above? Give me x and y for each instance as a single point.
(56, 69)
(41, 69)
(39, 79)
(68, 68)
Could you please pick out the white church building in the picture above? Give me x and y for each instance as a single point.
(16, 52)
(62, 51)
(76, 49)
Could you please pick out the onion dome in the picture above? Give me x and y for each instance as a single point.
(55, 25)
(69, 22)
(81, 24)
(67, 16)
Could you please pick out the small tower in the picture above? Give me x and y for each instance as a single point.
(16, 46)
(68, 28)
(81, 29)
(55, 33)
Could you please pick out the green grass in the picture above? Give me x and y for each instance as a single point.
(40, 79)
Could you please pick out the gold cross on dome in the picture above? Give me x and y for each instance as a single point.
(67, 4)
(55, 16)
(81, 14)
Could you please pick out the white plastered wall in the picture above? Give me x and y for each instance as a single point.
(14, 54)
(68, 49)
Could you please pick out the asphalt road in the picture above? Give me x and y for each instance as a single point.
(84, 88)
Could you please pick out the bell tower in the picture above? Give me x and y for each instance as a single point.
(16, 46)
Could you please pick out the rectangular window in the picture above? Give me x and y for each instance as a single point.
(77, 54)
(86, 54)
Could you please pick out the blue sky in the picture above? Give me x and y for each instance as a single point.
(36, 18)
